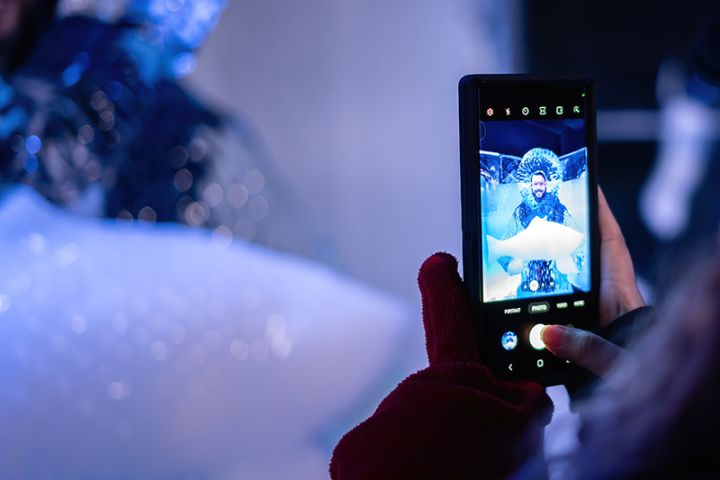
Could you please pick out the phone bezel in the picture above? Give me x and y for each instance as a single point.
(554, 370)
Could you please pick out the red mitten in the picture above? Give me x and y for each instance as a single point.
(453, 419)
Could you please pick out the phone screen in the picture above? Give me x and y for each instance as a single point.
(529, 215)
(534, 195)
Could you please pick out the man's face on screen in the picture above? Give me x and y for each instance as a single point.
(539, 186)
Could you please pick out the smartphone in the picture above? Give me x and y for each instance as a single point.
(529, 211)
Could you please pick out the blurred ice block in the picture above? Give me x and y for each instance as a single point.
(158, 351)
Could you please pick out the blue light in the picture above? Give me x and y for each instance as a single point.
(6, 94)
(183, 64)
(33, 144)
(72, 74)
(114, 91)
(31, 164)
(185, 23)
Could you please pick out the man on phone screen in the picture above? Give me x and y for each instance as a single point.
(540, 175)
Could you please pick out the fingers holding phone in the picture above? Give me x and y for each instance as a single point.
(583, 348)
(619, 293)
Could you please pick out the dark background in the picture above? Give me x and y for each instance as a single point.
(624, 46)
(515, 137)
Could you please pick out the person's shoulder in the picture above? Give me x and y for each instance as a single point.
(518, 213)
(520, 208)
(558, 203)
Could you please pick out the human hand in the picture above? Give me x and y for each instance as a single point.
(452, 419)
(449, 330)
(618, 295)
(583, 348)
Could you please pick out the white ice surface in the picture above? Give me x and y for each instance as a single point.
(159, 352)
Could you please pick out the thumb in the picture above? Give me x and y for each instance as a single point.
(449, 331)
(582, 348)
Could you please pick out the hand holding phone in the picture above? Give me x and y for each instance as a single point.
(618, 295)
(530, 228)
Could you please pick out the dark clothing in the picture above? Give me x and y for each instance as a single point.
(550, 209)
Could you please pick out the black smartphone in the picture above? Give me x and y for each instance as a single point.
(530, 215)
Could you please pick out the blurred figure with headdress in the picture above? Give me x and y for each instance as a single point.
(92, 113)
(94, 117)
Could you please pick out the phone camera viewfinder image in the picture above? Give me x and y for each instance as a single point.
(534, 208)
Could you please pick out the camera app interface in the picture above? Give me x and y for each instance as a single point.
(534, 195)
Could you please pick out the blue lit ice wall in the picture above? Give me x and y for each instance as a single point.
(131, 350)
(503, 144)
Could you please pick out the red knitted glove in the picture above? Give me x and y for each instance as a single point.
(453, 419)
